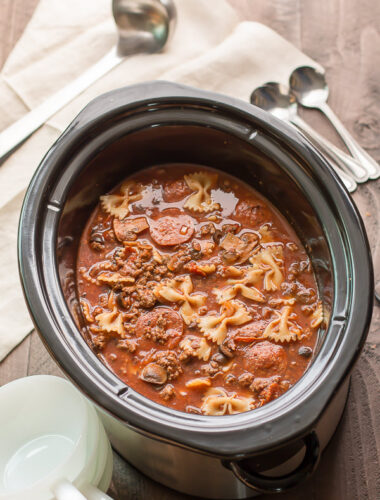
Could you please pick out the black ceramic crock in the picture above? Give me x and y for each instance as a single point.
(161, 122)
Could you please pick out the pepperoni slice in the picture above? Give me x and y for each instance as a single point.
(124, 228)
(170, 231)
(160, 325)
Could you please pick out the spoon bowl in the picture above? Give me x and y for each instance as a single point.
(143, 25)
(274, 98)
(309, 86)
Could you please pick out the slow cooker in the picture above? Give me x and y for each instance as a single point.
(270, 449)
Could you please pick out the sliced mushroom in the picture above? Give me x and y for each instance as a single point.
(154, 374)
(231, 243)
(97, 238)
(305, 351)
(97, 241)
(126, 228)
(226, 350)
(217, 236)
(219, 358)
(236, 250)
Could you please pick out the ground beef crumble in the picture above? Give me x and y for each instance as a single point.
(258, 384)
(167, 392)
(160, 329)
(190, 349)
(129, 345)
(207, 229)
(210, 369)
(169, 361)
(246, 379)
(99, 341)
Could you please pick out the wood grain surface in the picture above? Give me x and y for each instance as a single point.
(344, 36)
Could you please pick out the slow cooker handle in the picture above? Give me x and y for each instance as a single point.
(266, 484)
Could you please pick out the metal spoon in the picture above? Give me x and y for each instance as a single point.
(274, 98)
(284, 105)
(143, 26)
(310, 89)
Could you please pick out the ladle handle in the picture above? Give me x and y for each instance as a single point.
(355, 149)
(65, 490)
(346, 162)
(16, 134)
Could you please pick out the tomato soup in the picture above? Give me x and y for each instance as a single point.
(196, 292)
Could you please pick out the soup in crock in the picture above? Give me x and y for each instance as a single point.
(196, 291)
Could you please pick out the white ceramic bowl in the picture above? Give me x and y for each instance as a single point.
(51, 439)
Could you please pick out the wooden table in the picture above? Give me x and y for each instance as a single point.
(344, 36)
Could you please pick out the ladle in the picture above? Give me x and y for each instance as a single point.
(143, 26)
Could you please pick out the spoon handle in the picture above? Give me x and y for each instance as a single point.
(16, 134)
(348, 181)
(357, 151)
(344, 161)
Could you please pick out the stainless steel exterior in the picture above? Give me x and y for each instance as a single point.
(200, 475)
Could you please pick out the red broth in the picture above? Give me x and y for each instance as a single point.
(196, 292)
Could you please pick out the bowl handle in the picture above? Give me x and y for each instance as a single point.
(65, 490)
(267, 484)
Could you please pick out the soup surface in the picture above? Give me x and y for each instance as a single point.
(196, 292)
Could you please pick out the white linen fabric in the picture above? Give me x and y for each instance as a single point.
(210, 49)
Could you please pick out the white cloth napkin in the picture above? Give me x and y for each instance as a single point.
(209, 49)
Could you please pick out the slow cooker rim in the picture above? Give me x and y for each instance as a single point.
(162, 88)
